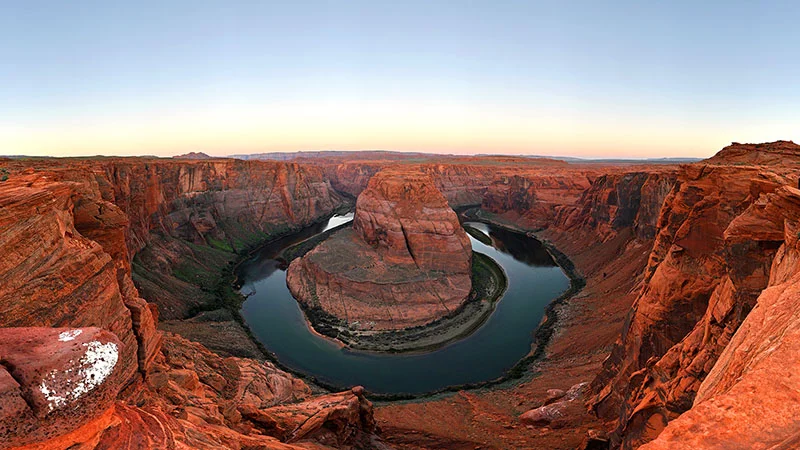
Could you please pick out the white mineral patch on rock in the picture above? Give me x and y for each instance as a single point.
(69, 335)
(61, 387)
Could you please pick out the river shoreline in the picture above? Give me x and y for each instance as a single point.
(520, 370)
(489, 285)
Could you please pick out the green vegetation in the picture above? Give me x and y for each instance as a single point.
(3, 174)
(211, 271)
(488, 279)
(220, 244)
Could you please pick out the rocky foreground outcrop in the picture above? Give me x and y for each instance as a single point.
(56, 380)
(405, 262)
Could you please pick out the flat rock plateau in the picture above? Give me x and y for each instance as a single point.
(120, 326)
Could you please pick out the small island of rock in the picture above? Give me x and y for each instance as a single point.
(405, 262)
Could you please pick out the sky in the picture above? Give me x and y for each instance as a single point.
(590, 79)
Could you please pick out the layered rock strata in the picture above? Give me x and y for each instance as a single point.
(111, 380)
(749, 397)
(405, 262)
(705, 358)
(718, 234)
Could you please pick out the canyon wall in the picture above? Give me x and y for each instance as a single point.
(464, 181)
(189, 220)
(68, 232)
(717, 236)
(749, 397)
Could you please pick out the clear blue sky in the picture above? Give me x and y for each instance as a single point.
(590, 78)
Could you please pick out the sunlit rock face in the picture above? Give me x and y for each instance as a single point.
(720, 230)
(404, 213)
(405, 262)
(750, 396)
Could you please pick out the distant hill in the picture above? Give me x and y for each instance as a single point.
(193, 155)
(574, 159)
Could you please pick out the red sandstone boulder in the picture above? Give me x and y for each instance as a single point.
(553, 395)
(548, 415)
(554, 413)
(55, 380)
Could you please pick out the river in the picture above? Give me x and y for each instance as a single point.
(275, 318)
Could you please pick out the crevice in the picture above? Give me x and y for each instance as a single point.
(141, 355)
(408, 246)
(24, 391)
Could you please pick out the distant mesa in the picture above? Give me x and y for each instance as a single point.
(405, 262)
(193, 155)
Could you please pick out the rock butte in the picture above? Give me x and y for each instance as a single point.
(687, 329)
(405, 262)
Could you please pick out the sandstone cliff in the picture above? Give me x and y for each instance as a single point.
(404, 213)
(706, 254)
(67, 233)
(709, 263)
(749, 398)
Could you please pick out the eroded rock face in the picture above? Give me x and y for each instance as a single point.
(67, 233)
(55, 276)
(685, 269)
(749, 398)
(718, 232)
(405, 262)
(707, 355)
(536, 196)
(55, 380)
(403, 213)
